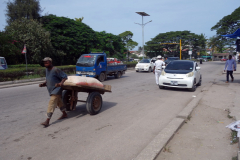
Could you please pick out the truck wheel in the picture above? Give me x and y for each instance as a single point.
(94, 103)
(66, 97)
(101, 77)
(118, 75)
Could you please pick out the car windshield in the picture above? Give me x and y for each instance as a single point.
(144, 61)
(2, 61)
(86, 60)
(180, 65)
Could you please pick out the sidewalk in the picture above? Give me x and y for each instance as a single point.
(204, 135)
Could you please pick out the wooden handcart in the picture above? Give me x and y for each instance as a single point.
(94, 99)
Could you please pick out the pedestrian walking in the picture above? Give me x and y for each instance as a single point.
(53, 76)
(230, 66)
(157, 70)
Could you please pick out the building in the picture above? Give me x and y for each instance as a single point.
(219, 56)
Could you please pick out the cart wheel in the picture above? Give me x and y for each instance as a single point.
(66, 97)
(94, 103)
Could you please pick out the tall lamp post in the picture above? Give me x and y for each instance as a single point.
(143, 24)
(190, 47)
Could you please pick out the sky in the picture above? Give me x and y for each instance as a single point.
(117, 16)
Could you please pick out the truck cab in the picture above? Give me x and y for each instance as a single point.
(91, 65)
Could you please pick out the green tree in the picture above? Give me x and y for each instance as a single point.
(127, 41)
(186, 37)
(36, 38)
(110, 43)
(227, 25)
(72, 37)
(79, 19)
(9, 49)
(215, 44)
(16, 9)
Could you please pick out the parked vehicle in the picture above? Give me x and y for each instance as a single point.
(3, 63)
(170, 59)
(96, 65)
(224, 59)
(144, 65)
(181, 74)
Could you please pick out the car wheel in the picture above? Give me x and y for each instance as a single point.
(193, 88)
(200, 81)
(136, 70)
(161, 87)
(150, 69)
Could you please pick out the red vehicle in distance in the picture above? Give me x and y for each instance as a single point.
(224, 59)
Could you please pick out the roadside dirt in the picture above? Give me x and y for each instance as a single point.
(205, 136)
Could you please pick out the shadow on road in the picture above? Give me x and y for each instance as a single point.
(82, 111)
(110, 78)
(178, 89)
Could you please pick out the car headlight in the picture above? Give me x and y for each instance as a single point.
(163, 73)
(147, 66)
(78, 72)
(190, 74)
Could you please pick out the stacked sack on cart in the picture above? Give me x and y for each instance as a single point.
(84, 81)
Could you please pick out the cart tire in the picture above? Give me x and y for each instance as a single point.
(66, 95)
(94, 103)
(102, 77)
(118, 75)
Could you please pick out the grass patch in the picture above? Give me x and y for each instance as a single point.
(235, 158)
(167, 149)
(234, 138)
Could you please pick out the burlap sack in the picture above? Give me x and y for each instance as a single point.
(85, 81)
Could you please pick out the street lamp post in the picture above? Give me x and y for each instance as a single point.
(190, 47)
(143, 24)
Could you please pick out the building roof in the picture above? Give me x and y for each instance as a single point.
(220, 54)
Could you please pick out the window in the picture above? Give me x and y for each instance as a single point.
(2, 61)
(100, 59)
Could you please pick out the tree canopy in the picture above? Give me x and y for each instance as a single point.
(36, 38)
(72, 37)
(227, 25)
(16, 9)
(127, 41)
(155, 47)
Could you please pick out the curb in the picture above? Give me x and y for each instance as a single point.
(154, 148)
(20, 84)
(186, 112)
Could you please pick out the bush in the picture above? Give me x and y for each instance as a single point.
(17, 73)
(10, 75)
(23, 65)
(130, 64)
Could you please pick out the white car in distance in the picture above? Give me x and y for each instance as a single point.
(181, 74)
(144, 65)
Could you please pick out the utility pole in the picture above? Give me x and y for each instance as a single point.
(143, 24)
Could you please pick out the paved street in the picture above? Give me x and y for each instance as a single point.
(132, 115)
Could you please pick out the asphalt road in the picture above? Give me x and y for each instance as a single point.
(132, 115)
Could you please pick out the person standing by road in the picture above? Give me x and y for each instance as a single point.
(230, 66)
(157, 70)
(53, 76)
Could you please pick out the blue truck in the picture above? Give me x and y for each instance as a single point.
(96, 65)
